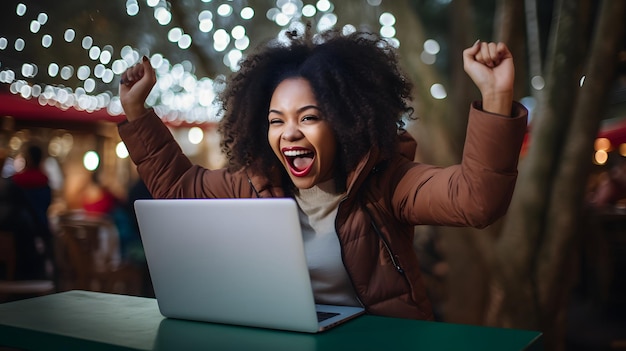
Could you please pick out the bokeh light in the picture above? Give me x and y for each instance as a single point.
(90, 84)
(91, 160)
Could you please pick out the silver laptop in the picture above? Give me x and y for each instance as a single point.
(232, 261)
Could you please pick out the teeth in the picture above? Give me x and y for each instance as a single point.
(295, 153)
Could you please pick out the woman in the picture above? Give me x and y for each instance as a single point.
(321, 121)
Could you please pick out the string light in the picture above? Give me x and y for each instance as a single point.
(179, 94)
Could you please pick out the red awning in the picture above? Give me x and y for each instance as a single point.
(615, 132)
(30, 109)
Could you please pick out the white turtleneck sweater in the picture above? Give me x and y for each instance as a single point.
(317, 210)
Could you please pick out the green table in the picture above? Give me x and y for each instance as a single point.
(82, 320)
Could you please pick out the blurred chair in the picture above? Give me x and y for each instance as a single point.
(88, 256)
(11, 289)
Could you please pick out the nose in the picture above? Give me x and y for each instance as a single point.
(292, 132)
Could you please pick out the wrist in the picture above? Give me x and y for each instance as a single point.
(498, 102)
(134, 113)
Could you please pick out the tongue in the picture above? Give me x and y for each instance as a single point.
(301, 163)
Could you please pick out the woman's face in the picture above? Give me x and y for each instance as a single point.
(300, 136)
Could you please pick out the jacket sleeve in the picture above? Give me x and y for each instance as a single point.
(166, 171)
(475, 192)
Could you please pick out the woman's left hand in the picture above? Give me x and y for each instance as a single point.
(490, 66)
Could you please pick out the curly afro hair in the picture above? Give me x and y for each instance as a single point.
(357, 84)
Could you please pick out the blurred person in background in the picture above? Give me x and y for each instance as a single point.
(25, 198)
(34, 182)
(101, 201)
(611, 187)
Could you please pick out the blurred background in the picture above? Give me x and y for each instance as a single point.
(556, 262)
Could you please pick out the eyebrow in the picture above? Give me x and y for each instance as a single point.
(300, 110)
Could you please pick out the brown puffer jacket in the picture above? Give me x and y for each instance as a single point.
(385, 199)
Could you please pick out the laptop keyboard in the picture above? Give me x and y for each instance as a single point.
(322, 316)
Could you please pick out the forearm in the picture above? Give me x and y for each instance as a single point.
(476, 192)
(159, 159)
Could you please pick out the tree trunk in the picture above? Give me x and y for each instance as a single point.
(461, 91)
(534, 256)
(470, 252)
(524, 226)
(509, 29)
(534, 42)
(565, 215)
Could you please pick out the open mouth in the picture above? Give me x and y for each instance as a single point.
(299, 160)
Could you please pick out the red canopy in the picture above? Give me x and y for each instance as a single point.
(615, 132)
(30, 109)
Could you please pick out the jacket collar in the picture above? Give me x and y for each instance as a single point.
(373, 162)
(265, 184)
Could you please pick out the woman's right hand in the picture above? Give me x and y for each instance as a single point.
(135, 86)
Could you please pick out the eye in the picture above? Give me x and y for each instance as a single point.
(310, 118)
(275, 121)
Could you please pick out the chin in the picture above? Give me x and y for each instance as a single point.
(303, 183)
